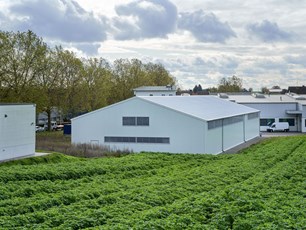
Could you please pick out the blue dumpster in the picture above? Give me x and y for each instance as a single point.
(67, 129)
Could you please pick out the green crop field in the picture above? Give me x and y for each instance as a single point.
(263, 187)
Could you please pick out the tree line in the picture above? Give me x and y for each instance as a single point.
(33, 72)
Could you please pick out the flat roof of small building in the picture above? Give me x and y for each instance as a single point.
(155, 88)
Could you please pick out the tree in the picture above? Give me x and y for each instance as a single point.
(70, 77)
(96, 83)
(232, 84)
(22, 56)
(264, 90)
(195, 89)
(30, 71)
(157, 75)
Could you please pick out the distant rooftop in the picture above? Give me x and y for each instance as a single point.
(266, 98)
(156, 88)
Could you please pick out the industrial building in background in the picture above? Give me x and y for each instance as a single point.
(288, 107)
(168, 90)
(195, 124)
(17, 131)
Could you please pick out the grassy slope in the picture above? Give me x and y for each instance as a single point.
(264, 187)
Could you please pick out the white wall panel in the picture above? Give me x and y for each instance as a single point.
(213, 141)
(17, 131)
(251, 128)
(232, 135)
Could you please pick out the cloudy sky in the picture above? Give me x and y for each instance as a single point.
(199, 41)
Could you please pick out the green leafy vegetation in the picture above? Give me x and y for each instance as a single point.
(263, 187)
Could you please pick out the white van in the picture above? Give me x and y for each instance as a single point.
(278, 126)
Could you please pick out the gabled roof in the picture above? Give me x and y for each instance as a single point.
(203, 107)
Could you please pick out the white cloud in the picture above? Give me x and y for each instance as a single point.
(268, 31)
(146, 19)
(205, 27)
(63, 20)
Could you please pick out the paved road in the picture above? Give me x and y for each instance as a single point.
(280, 134)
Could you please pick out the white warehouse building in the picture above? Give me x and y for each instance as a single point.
(17, 131)
(197, 124)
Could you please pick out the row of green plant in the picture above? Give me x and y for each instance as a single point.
(263, 187)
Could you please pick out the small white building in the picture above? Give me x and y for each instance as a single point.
(168, 90)
(17, 131)
(289, 108)
(197, 124)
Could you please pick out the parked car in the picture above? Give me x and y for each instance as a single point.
(39, 128)
(278, 126)
(59, 127)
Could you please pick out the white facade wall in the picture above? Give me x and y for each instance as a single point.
(186, 133)
(233, 134)
(214, 140)
(303, 119)
(251, 128)
(276, 111)
(227, 136)
(17, 131)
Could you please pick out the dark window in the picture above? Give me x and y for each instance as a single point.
(120, 139)
(133, 121)
(159, 140)
(266, 121)
(128, 121)
(305, 122)
(232, 120)
(163, 95)
(214, 124)
(156, 140)
(291, 121)
(143, 121)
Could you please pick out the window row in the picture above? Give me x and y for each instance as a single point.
(253, 116)
(156, 140)
(135, 121)
(214, 124)
(291, 121)
(227, 121)
(232, 120)
(270, 121)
